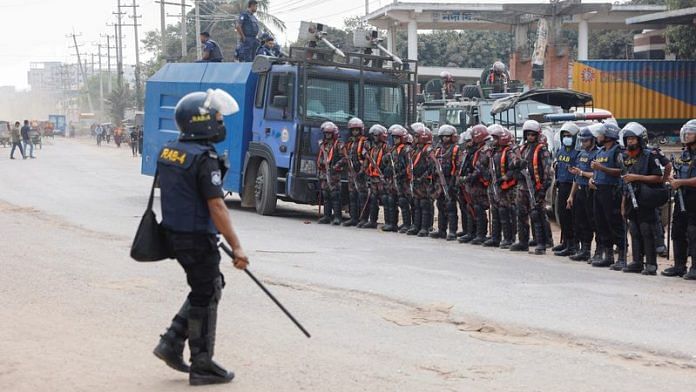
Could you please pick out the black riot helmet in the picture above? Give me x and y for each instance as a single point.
(199, 115)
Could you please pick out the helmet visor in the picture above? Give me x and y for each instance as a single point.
(221, 101)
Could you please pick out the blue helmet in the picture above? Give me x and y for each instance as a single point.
(199, 115)
(611, 131)
(585, 134)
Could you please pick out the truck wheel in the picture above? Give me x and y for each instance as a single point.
(264, 190)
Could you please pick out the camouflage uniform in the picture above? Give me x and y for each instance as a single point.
(507, 161)
(330, 165)
(448, 158)
(422, 188)
(466, 203)
(478, 186)
(537, 161)
(354, 150)
(380, 181)
(401, 158)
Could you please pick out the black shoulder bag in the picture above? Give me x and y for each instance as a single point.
(149, 243)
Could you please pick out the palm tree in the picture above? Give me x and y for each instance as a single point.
(235, 7)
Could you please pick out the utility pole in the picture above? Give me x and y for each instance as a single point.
(92, 74)
(138, 98)
(184, 50)
(82, 69)
(108, 60)
(199, 55)
(163, 31)
(101, 80)
(119, 45)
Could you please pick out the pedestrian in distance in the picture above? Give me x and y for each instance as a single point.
(26, 139)
(16, 137)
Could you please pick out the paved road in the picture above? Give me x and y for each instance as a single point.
(388, 312)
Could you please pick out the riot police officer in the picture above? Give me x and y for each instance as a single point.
(531, 206)
(506, 161)
(466, 206)
(380, 184)
(211, 50)
(330, 164)
(401, 171)
(422, 182)
(248, 29)
(684, 222)
(477, 185)
(645, 192)
(446, 165)
(580, 199)
(268, 46)
(193, 213)
(353, 151)
(566, 158)
(607, 167)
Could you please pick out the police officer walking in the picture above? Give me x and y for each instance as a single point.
(193, 213)
(330, 164)
(607, 167)
(684, 221)
(354, 150)
(211, 50)
(565, 160)
(581, 196)
(248, 29)
(645, 192)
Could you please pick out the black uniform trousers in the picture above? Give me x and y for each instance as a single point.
(583, 214)
(565, 215)
(642, 228)
(610, 226)
(199, 257)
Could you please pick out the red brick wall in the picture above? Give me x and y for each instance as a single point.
(556, 67)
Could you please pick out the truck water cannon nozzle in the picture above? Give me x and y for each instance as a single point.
(370, 39)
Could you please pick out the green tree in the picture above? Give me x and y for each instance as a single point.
(119, 100)
(681, 40)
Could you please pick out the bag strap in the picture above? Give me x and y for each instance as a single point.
(152, 191)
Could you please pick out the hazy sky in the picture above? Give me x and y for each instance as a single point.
(36, 30)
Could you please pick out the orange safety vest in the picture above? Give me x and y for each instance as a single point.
(359, 150)
(374, 171)
(331, 153)
(399, 148)
(503, 169)
(535, 166)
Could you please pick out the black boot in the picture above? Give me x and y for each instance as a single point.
(650, 270)
(417, 217)
(496, 229)
(202, 326)
(560, 247)
(326, 199)
(470, 230)
(337, 211)
(620, 260)
(538, 225)
(505, 228)
(691, 275)
(583, 253)
(363, 209)
(405, 208)
(679, 269)
(353, 210)
(607, 259)
(389, 207)
(598, 254)
(373, 213)
(481, 226)
(427, 220)
(548, 234)
(571, 249)
(522, 244)
(635, 267)
(452, 219)
(171, 345)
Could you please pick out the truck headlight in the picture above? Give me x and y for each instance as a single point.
(308, 167)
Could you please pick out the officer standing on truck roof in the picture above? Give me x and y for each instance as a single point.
(193, 213)
(248, 29)
(211, 50)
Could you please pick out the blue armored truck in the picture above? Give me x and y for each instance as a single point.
(272, 142)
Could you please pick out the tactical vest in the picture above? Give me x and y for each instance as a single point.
(377, 153)
(584, 163)
(505, 185)
(608, 159)
(536, 165)
(329, 158)
(567, 158)
(183, 208)
(420, 162)
(448, 159)
(474, 162)
(355, 150)
(687, 169)
(250, 25)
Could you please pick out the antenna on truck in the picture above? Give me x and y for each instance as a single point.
(370, 39)
(313, 32)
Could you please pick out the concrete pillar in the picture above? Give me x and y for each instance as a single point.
(412, 40)
(391, 39)
(521, 36)
(583, 38)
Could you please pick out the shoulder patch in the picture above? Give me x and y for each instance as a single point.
(216, 178)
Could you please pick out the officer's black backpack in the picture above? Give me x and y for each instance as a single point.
(149, 243)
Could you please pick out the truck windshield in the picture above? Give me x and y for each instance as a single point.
(338, 101)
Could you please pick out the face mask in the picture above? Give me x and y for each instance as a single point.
(567, 141)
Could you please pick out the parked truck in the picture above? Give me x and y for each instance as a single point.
(273, 141)
(659, 94)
